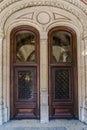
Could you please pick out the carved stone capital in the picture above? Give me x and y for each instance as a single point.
(43, 36)
(84, 38)
(85, 35)
(1, 34)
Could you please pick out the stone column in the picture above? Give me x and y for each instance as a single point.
(81, 80)
(5, 108)
(85, 77)
(1, 85)
(85, 65)
(44, 114)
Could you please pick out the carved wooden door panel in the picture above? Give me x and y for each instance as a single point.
(24, 73)
(63, 100)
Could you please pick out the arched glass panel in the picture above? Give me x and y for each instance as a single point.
(61, 47)
(25, 46)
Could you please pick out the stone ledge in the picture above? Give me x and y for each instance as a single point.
(85, 128)
(35, 128)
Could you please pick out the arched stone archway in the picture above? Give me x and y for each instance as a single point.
(64, 13)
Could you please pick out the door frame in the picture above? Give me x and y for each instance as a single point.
(75, 73)
(12, 35)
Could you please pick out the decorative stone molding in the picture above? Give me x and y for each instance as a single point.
(85, 34)
(77, 3)
(58, 16)
(43, 18)
(85, 37)
(79, 12)
(84, 1)
(7, 3)
(62, 5)
(26, 16)
(1, 33)
(43, 37)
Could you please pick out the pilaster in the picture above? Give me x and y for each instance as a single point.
(81, 80)
(1, 84)
(44, 79)
(5, 108)
(83, 106)
(85, 65)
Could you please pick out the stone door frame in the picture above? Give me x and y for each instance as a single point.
(33, 16)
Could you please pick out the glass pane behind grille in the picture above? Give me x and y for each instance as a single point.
(24, 85)
(61, 47)
(25, 46)
(61, 84)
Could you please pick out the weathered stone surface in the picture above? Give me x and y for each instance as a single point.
(36, 128)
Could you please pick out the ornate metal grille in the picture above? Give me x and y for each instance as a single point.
(61, 84)
(25, 85)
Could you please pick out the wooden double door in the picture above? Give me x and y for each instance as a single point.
(25, 77)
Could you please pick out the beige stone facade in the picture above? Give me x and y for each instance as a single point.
(43, 15)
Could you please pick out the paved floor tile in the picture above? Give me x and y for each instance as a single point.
(37, 125)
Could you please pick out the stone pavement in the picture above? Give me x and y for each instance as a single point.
(51, 125)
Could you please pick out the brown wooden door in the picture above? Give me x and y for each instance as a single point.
(63, 97)
(24, 73)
